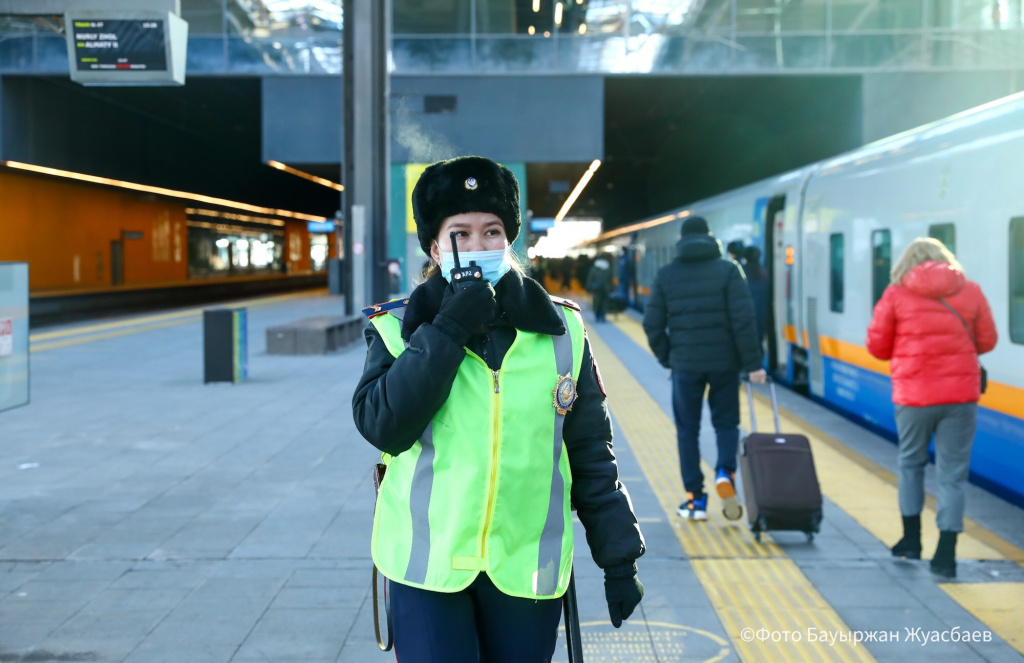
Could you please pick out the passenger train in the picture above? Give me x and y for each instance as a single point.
(829, 233)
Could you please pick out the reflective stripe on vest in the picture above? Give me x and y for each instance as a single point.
(447, 510)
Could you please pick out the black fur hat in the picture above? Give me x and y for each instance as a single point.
(460, 185)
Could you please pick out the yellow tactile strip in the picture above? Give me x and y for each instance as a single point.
(743, 579)
(867, 492)
(997, 605)
(865, 495)
(762, 600)
(136, 324)
(863, 489)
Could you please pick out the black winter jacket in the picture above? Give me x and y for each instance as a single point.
(700, 315)
(396, 399)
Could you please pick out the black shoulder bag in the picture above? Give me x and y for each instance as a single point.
(984, 373)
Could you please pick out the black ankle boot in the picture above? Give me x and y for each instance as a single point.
(944, 562)
(910, 545)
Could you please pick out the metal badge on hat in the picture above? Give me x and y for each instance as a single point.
(565, 393)
(471, 183)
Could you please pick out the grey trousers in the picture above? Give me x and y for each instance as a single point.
(953, 427)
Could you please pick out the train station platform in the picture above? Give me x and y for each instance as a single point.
(148, 517)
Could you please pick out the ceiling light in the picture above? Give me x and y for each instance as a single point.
(160, 191)
(558, 13)
(578, 190)
(306, 176)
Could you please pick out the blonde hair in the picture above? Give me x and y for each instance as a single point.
(921, 250)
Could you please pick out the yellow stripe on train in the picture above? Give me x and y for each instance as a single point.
(999, 397)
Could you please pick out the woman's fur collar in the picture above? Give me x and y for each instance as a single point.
(522, 303)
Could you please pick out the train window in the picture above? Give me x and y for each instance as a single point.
(945, 233)
(1017, 280)
(881, 262)
(836, 263)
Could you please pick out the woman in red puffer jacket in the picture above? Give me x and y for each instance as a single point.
(936, 382)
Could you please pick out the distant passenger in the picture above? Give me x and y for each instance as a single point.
(625, 275)
(757, 281)
(736, 251)
(488, 406)
(700, 323)
(567, 267)
(599, 285)
(932, 323)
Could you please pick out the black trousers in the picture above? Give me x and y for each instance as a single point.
(480, 624)
(687, 403)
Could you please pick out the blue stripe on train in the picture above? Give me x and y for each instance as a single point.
(997, 460)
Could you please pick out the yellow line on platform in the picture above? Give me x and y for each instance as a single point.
(90, 333)
(43, 347)
(743, 579)
(867, 492)
(997, 605)
(868, 496)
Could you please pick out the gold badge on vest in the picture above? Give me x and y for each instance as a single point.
(565, 393)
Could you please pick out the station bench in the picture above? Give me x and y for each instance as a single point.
(313, 336)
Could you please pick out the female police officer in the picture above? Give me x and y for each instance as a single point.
(488, 406)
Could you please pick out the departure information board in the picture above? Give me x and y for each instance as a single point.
(134, 45)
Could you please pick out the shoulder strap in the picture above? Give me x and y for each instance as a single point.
(962, 321)
(395, 307)
(568, 303)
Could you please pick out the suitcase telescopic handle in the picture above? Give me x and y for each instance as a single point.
(750, 402)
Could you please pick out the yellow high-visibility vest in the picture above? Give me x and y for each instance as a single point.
(486, 486)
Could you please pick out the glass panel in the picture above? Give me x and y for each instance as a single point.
(945, 233)
(449, 17)
(499, 16)
(885, 15)
(1017, 280)
(284, 19)
(771, 17)
(204, 17)
(836, 282)
(971, 14)
(881, 259)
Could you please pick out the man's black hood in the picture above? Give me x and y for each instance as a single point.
(698, 248)
(522, 303)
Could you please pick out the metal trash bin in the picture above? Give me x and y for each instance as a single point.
(225, 346)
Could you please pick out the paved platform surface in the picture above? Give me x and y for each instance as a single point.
(146, 517)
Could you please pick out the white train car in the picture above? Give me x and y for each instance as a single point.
(829, 234)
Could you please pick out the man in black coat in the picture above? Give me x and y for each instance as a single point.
(700, 323)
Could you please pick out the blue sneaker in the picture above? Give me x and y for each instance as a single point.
(725, 486)
(695, 508)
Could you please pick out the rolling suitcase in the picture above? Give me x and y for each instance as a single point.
(779, 481)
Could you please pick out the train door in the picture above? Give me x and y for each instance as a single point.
(116, 262)
(772, 253)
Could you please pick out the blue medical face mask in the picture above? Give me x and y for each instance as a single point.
(494, 264)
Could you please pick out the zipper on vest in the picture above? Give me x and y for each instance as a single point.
(495, 434)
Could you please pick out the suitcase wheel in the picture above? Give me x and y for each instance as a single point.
(810, 537)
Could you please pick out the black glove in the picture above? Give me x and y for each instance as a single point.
(466, 311)
(623, 591)
(665, 363)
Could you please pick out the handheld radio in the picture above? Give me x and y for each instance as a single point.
(462, 277)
